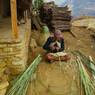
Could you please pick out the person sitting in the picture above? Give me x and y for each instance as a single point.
(55, 47)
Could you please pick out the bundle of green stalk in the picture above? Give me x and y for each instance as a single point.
(85, 60)
(20, 84)
(86, 79)
(84, 64)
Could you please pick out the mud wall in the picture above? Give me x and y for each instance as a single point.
(15, 53)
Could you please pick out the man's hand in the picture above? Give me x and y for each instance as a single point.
(57, 48)
(52, 47)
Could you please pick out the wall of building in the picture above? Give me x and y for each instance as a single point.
(11, 53)
(15, 53)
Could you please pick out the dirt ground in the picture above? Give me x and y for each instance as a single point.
(82, 41)
(62, 78)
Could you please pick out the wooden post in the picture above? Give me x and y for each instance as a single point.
(15, 33)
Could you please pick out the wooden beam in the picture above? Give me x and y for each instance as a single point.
(15, 33)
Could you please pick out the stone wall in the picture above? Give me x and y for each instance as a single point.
(15, 53)
(12, 54)
(11, 51)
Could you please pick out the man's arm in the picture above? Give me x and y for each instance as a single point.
(46, 45)
(62, 45)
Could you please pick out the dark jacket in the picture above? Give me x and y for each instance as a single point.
(51, 40)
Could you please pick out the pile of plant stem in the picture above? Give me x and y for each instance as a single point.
(86, 72)
(20, 84)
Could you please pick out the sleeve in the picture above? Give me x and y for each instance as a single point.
(46, 45)
(62, 45)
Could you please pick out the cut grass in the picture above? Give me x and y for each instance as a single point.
(84, 64)
(20, 84)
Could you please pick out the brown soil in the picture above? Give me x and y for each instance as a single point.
(58, 78)
(62, 78)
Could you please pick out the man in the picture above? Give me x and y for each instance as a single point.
(55, 47)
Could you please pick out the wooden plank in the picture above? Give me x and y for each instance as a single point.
(15, 33)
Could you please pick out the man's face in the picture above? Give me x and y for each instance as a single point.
(57, 34)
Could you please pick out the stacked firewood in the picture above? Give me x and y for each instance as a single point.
(61, 18)
(57, 17)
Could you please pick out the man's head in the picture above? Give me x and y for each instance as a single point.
(57, 34)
